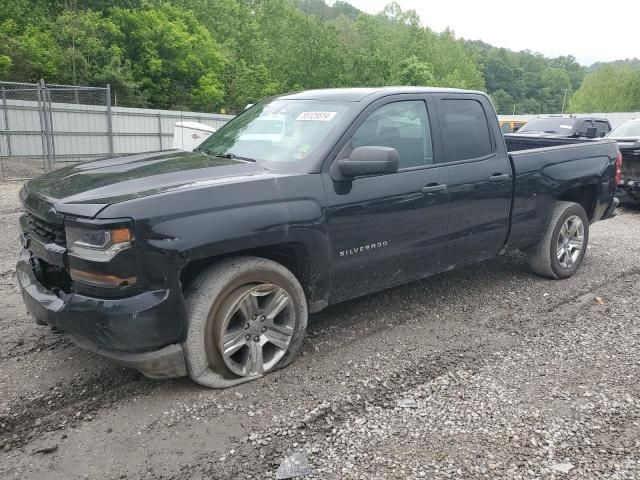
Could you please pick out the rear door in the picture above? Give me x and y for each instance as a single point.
(480, 180)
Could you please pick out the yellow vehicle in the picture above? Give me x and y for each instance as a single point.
(511, 125)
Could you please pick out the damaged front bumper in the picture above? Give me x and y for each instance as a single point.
(126, 330)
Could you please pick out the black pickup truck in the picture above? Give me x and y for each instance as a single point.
(566, 126)
(207, 263)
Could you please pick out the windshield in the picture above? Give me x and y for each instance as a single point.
(630, 129)
(277, 130)
(550, 125)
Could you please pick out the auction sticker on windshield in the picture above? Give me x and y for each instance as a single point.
(316, 116)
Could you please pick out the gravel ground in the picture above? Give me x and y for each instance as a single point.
(483, 372)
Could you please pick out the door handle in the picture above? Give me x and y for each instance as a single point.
(433, 188)
(499, 177)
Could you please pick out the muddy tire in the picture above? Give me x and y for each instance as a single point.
(561, 251)
(246, 317)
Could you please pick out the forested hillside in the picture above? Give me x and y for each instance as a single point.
(212, 54)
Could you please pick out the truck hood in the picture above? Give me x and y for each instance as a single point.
(87, 188)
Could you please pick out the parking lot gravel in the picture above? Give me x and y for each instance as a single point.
(483, 372)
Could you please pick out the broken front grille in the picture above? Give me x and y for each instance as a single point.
(47, 232)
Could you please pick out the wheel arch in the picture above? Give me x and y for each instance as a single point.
(294, 256)
(584, 195)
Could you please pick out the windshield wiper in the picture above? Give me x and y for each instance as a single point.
(229, 155)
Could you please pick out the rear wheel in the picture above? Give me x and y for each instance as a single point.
(247, 317)
(561, 251)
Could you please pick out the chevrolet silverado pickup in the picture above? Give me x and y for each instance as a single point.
(207, 263)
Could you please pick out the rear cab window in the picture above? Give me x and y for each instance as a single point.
(603, 128)
(466, 129)
(584, 126)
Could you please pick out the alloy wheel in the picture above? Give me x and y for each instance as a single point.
(570, 242)
(257, 329)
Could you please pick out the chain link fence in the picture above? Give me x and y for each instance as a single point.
(40, 126)
(46, 126)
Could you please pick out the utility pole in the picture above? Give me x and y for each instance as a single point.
(564, 100)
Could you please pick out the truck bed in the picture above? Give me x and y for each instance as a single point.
(629, 189)
(542, 169)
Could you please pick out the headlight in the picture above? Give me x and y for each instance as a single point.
(98, 245)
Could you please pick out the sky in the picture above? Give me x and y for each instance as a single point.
(590, 30)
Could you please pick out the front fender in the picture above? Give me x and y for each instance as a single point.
(206, 223)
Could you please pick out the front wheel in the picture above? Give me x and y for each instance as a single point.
(246, 317)
(561, 251)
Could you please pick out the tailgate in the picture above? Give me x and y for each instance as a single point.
(630, 164)
(629, 187)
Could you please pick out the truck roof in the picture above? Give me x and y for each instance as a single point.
(358, 94)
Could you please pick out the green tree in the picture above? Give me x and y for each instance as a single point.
(557, 87)
(207, 54)
(610, 88)
(5, 65)
(32, 51)
(503, 102)
(175, 61)
(537, 84)
(416, 72)
(91, 50)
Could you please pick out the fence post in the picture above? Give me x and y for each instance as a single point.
(41, 114)
(109, 121)
(160, 130)
(47, 125)
(6, 127)
(52, 137)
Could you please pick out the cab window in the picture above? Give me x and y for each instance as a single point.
(400, 125)
(467, 130)
(603, 128)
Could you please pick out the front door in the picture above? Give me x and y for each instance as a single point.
(389, 229)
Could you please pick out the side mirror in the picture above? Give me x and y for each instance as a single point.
(365, 161)
(592, 132)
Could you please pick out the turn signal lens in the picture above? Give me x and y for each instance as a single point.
(121, 235)
(100, 279)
